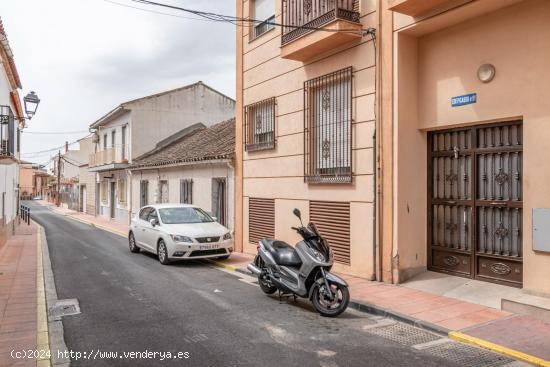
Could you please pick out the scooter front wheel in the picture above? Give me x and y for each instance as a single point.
(330, 306)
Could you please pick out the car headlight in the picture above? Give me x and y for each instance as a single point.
(227, 236)
(178, 238)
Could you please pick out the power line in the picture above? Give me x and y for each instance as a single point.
(154, 12)
(54, 132)
(235, 20)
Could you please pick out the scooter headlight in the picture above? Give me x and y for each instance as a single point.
(318, 256)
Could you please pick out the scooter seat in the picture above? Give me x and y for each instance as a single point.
(282, 252)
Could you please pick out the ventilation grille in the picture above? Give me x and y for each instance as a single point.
(332, 219)
(261, 219)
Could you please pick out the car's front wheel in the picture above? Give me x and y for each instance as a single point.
(132, 243)
(163, 253)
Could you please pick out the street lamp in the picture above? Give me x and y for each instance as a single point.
(31, 104)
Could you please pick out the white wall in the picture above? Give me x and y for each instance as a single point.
(201, 175)
(9, 178)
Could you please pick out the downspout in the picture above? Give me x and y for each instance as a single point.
(377, 149)
(130, 199)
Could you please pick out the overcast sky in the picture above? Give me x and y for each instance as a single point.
(84, 57)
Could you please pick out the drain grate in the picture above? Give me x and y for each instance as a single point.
(467, 356)
(404, 334)
(66, 307)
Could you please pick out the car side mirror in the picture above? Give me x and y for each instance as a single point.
(154, 222)
(215, 219)
(297, 213)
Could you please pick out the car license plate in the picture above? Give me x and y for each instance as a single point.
(209, 247)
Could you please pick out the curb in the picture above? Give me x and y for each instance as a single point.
(227, 267)
(467, 339)
(54, 326)
(42, 335)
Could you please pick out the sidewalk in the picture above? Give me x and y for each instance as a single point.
(22, 301)
(518, 336)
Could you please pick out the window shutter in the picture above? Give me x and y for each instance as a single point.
(332, 218)
(261, 219)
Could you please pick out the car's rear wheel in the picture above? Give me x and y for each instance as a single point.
(132, 243)
(163, 253)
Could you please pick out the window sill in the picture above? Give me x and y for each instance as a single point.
(259, 146)
(342, 179)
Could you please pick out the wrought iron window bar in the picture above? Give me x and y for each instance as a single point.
(301, 17)
(328, 128)
(259, 120)
(7, 131)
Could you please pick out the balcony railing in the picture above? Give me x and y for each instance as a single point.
(301, 17)
(117, 154)
(7, 132)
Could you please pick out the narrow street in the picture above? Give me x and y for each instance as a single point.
(130, 302)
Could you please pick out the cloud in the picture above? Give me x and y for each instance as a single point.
(85, 57)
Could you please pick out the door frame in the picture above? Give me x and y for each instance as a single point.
(473, 151)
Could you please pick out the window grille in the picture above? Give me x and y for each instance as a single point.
(122, 191)
(144, 192)
(260, 125)
(103, 189)
(163, 192)
(186, 191)
(328, 128)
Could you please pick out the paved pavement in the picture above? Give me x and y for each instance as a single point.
(131, 303)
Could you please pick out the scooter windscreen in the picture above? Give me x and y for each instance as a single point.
(320, 243)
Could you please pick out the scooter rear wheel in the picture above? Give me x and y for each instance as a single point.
(266, 286)
(327, 307)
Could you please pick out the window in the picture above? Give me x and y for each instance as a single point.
(328, 118)
(219, 200)
(260, 125)
(122, 191)
(113, 138)
(143, 192)
(104, 189)
(264, 11)
(123, 137)
(186, 215)
(144, 213)
(186, 191)
(163, 192)
(153, 215)
(104, 141)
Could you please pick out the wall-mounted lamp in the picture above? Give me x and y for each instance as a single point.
(486, 73)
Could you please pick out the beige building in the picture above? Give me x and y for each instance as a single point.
(87, 179)
(305, 125)
(135, 127)
(33, 181)
(195, 166)
(456, 91)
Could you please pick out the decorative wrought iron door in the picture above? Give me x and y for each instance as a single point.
(475, 202)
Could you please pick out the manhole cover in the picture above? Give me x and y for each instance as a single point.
(404, 334)
(65, 307)
(467, 356)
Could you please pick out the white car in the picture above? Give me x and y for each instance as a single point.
(178, 232)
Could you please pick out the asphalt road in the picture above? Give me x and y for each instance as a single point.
(132, 303)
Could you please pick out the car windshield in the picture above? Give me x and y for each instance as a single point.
(184, 215)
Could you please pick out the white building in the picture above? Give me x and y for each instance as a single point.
(135, 127)
(193, 167)
(11, 121)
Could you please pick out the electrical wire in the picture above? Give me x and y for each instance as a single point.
(154, 12)
(215, 17)
(53, 132)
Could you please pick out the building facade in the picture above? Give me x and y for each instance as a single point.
(305, 125)
(417, 146)
(33, 181)
(194, 168)
(11, 122)
(135, 127)
(87, 179)
(465, 97)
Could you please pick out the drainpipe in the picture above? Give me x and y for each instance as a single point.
(130, 199)
(374, 209)
(377, 147)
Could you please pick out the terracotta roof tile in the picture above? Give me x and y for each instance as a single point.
(215, 142)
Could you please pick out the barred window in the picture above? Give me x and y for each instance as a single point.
(186, 191)
(163, 192)
(260, 125)
(122, 191)
(143, 192)
(327, 120)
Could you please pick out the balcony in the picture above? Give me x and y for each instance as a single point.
(414, 7)
(110, 158)
(7, 133)
(312, 27)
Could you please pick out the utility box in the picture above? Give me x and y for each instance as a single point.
(541, 230)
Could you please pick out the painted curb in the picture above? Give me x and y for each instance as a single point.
(42, 336)
(467, 339)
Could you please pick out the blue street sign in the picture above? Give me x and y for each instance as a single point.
(464, 100)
